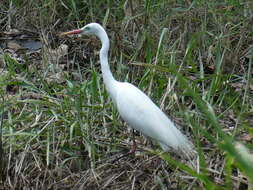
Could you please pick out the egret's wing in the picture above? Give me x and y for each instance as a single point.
(142, 114)
(137, 109)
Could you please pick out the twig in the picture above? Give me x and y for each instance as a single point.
(1, 145)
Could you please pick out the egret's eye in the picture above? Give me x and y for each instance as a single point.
(87, 28)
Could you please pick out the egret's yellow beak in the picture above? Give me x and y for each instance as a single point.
(78, 31)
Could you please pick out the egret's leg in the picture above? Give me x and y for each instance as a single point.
(134, 145)
(132, 151)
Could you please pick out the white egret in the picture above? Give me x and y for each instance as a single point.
(135, 107)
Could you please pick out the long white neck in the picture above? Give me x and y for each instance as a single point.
(103, 54)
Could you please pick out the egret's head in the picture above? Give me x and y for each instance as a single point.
(89, 29)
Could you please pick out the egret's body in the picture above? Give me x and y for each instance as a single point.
(135, 107)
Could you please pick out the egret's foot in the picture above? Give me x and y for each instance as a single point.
(123, 156)
(131, 152)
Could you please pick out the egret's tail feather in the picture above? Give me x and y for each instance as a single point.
(180, 144)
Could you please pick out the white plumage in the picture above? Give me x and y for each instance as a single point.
(135, 107)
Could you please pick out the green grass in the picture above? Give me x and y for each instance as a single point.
(59, 127)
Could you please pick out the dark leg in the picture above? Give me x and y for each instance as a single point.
(132, 151)
(134, 146)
